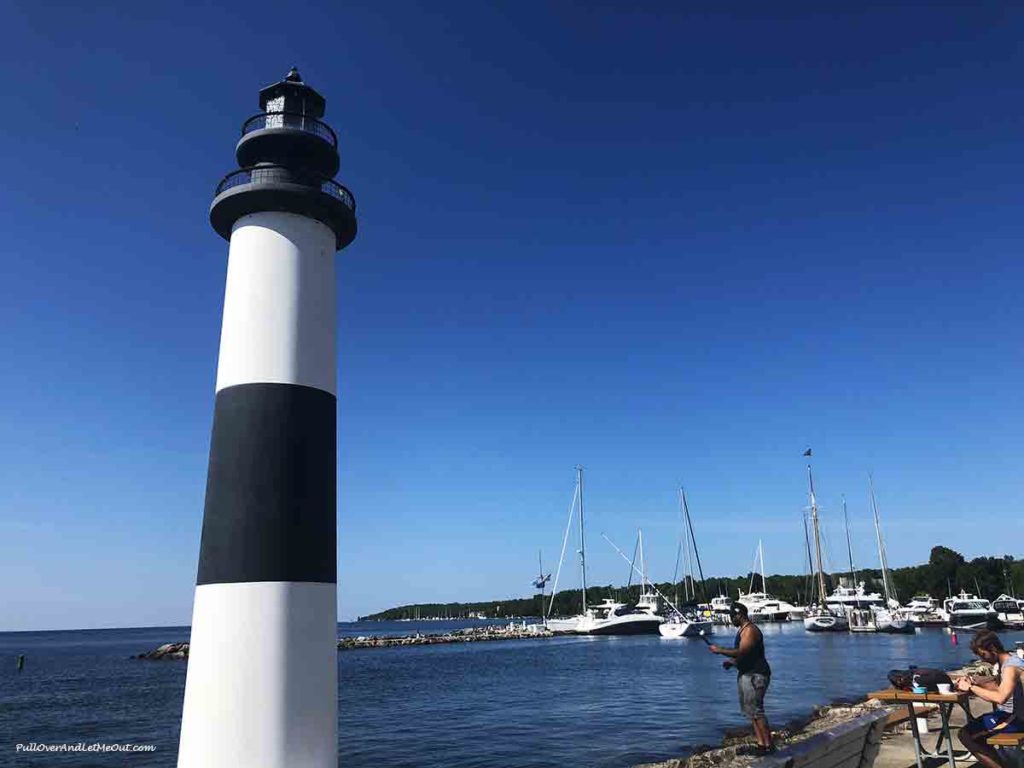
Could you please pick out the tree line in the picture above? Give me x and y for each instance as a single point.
(945, 573)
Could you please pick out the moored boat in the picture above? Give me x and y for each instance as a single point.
(818, 617)
(689, 619)
(887, 617)
(762, 606)
(970, 612)
(609, 617)
(1008, 611)
(924, 611)
(720, 606)
(685, 625)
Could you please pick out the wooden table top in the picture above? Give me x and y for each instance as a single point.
(892, 695)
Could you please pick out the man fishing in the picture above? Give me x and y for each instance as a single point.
(747, 655)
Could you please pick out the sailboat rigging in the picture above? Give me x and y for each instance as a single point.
(609, 617)
(687, 620)
(887, 618)
(818, 617)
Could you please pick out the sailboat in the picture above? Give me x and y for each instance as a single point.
(852, 600)
(818, 617)
(608, 617)
(687, 622)
(888, 618)
(762, 606)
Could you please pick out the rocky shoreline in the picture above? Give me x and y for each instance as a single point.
(738, 742)
(178, 651)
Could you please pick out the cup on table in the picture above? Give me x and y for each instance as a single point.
(945, 688)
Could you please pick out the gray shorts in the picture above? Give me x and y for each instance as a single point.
(752, 687)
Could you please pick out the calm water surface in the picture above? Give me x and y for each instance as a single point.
(607, 702)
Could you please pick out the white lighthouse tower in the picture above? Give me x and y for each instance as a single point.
(262, 686)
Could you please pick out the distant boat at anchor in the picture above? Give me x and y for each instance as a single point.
(762, 606)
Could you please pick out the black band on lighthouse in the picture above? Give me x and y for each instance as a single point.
(270, 495)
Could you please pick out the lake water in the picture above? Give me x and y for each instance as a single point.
(602, 701)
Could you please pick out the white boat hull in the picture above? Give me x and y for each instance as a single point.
(826, 623)
(628, 624)
(680, 629)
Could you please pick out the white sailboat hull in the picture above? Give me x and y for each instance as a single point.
(826, 622)
(680, 629)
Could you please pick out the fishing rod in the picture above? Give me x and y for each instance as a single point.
(702, 634)
(656, 590)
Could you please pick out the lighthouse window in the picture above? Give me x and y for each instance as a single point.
(275, 105)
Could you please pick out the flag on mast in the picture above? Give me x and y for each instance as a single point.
(807, 452)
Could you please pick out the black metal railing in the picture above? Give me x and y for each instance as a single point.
(277, 174)
(292, 120)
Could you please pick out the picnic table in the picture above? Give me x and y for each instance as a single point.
(945, 703)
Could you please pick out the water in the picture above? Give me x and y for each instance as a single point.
(605, 702)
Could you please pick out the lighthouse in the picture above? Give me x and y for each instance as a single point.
(262, 687)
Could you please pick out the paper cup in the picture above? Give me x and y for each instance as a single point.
(945, 688)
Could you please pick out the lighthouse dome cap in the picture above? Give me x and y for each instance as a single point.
(298, 96)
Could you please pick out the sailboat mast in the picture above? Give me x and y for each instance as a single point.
(817, 537)
(687, 558)
(643, 563)
(849, 545)
(583, 546)
(810, 561)
(881, 547)
(693, 540)
(760, 553)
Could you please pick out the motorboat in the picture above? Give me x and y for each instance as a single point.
(765, 608)
(1008, 611)
(797, 612)
(609, 617)
(685, 624)
(845, 596)
(924, 611)
(720, 607)
(970, 612)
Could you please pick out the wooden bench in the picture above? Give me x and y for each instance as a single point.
(1012, 741)
(853, 744)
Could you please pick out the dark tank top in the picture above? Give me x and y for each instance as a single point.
(754, 662)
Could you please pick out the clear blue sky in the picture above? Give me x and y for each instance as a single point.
(668, 245)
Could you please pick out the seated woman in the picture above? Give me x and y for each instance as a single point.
(987, 647)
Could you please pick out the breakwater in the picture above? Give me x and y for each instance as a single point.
(523, 631)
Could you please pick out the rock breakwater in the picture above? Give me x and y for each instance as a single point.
(173, 651)
(470, 635)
